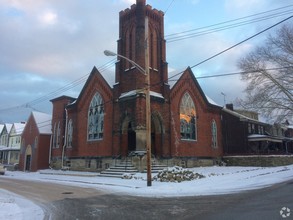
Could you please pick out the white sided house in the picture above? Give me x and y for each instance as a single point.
(4, 141)
(14, 143)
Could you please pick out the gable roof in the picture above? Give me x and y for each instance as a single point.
(63, 97)
(8, 127)
(242, 117)
(18, 128)
(43, 122)
(1, 128)
(94, 73)
(207, 99)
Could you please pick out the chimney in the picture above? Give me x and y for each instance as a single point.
(230, 107)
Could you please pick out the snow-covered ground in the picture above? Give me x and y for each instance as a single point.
(218, 180)
(14, 207)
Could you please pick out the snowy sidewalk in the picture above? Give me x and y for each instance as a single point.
(218, 180)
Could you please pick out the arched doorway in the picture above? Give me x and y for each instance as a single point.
(128, 136)
(131, 138)
(157, 134)
(28, 158)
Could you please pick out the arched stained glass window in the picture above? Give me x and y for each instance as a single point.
(96, 118)
(214, 134)
(187, 118)
(69, 133)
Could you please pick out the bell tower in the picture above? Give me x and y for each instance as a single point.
(131, 44)
(137, 25)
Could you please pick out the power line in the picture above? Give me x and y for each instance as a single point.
(169, 6)
(229, 21)
(235, 45)
(110, 63)
(238, 73)
(227, 25)
(60, 90)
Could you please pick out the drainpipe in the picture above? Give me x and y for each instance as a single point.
(65, 139)
(50, 151)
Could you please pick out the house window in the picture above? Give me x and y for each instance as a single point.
(96, 118)
(253, 128)
(69, 133)
(36, 142)
(16, 156)
(249, 128)
(260, 129)
(214, 134)
(187, 118)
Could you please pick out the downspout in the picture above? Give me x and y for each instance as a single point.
(50, 150)
(65, 139)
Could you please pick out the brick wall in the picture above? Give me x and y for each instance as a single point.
(205, 113)
(40, 149)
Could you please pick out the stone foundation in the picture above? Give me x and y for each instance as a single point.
(189, 162)
(259, 160)
(100, 164)
(83, 164)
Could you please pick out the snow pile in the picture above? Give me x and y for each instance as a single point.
(129, 176)
(177, 174)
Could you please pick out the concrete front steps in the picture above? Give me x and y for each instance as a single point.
(156, 167)
(126, 167)
(119, 168)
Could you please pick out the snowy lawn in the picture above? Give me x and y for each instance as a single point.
(217, 180)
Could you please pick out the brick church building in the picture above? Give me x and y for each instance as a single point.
(106, 122)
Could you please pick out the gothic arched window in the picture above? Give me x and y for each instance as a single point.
(214, 134)
(96, 118)
(187, 118)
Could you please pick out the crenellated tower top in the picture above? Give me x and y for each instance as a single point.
(131, 44)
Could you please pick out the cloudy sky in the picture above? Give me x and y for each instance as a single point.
(48, 47)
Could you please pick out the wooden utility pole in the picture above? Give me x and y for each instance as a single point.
(148, 105)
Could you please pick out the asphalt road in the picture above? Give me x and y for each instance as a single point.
(68, 202)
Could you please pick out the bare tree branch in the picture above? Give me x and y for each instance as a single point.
(270, 92)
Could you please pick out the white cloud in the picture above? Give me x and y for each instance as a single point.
(62, 40)
(130, 2)
(195, 2)
(49, 17)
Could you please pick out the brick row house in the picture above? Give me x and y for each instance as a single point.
(244, 134)
(109, 121)
(36, 139)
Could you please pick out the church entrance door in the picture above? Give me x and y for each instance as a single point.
(131, 138)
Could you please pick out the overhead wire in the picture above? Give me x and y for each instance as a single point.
(168, 7)
(235, 45)
(61, 89)
(238, 73)
(220, 75)
(227, 24)
(110, 63)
